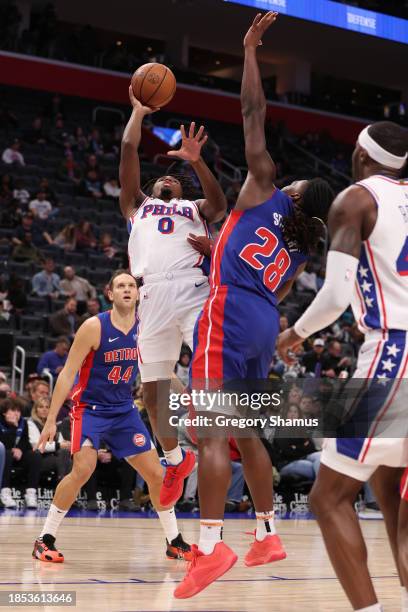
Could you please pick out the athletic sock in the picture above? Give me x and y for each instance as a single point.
(265, 525)
(53, 521)
(168, 522)
(375, 608)
(210, 534)
(173, 457)
(404, 599)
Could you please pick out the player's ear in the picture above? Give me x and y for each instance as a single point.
(364, 157)
(295, 197)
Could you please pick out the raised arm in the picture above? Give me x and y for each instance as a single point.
(131, 195)
(86, 339)
(351, 220)
(214, 205)
(261, 167)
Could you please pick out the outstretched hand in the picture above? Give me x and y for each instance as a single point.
(253, 38)
(47, 435)
(287, 342)
(191, 145)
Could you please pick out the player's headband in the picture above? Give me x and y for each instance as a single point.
(378, 154)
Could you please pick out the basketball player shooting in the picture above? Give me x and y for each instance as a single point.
(261, 249)
(104, 353)
(367, 267)
(169, 270)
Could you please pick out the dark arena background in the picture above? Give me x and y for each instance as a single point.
(328, 69)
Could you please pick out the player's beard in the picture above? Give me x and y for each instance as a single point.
(166, 193)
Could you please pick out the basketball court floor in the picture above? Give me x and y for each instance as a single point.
(118, 564)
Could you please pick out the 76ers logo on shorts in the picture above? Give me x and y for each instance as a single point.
(139, 439)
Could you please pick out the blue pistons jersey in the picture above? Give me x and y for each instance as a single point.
(251, 253)
(107, 375)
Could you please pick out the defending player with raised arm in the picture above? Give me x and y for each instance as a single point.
(262, 246)
(172, 276)
(104, 355)
(367, 267)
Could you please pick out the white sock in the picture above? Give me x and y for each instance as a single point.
(53, 521)
(175, 456)
(265, 525)
(31, 491)
(210, 534)
(168, 522)
(404, 599)
(375, 608)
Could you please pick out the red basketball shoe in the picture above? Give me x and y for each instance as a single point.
(265, 551)
(44, 550)
(173, 482)
(205, 569)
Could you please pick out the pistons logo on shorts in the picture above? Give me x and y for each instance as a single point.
(139, 439)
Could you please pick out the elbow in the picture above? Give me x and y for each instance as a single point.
(127, 145)
(253, 108)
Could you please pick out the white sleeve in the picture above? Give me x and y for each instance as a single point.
(333, 298)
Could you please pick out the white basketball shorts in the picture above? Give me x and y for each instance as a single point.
(382, 370)
(168, 310)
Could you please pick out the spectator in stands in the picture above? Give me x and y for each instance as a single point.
(283, 323)
(78, 141)
(333, 362)
(183, 368)
(41, 208)
(5, 390)
(6, 188)
(95, 142)
(77, 287)
(37, 389)
(307, 280)
(65, 322)
(36, 134)
(104, 300)
(312, 360)
(84, 236)
(21, 194)
(106, 246)
(47, 282)
(11, 214)
(308, 407)
(298, 458)
(44, 186)
(58, 133)
(16, 293)
(8, 120)
(13, 155)
(92, 185)
(56, 455)
(111, 188)
(66, 238)
(14, 435)
(69, 168)
(92, 309)
(232, 194)
(40, 237)
(4, 314)
(55, 107)
(53, 361)
(294, 395)
(92, 164)
(26, 251)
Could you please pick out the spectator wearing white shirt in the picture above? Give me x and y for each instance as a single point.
(111, 188)
(21, 194)
(12, 154)
(41, 207)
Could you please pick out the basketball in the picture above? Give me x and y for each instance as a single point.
(154, 85)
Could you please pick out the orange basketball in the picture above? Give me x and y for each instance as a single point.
(154, 85)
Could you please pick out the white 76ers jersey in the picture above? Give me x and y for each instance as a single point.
(158, 236)
(380, 299)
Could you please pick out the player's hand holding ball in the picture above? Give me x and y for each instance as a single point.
(253, 38)
(152, 87)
